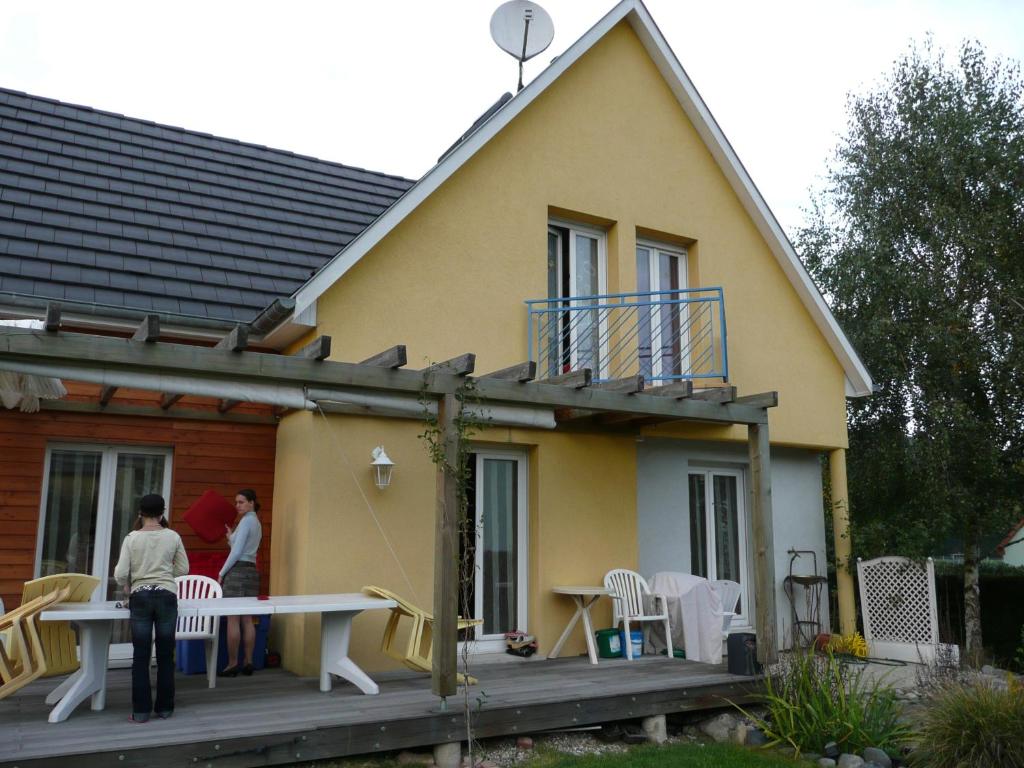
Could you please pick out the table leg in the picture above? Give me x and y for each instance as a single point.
(589, 629)
(568, 627)
(58, 693)
(335, 632)
(91, 678)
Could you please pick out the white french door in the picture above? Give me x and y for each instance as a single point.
(718, 532)
(576, 274)
(497, 592)
(662, 328)
(89, 503)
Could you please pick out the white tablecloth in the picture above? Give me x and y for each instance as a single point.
(695, 614)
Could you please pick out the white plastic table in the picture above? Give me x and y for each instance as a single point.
(96, 620)
(584, 598)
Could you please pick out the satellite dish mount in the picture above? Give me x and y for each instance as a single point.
(522, 29)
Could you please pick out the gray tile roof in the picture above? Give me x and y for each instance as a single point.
(98, 207)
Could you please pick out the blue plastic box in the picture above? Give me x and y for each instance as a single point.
(638, 642)
(191, 654)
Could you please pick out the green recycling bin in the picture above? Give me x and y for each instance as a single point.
(609, 643)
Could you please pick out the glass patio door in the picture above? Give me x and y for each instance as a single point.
(718, 532)
(496, 592)
(89, 504)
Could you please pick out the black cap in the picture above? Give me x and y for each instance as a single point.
(152, 504)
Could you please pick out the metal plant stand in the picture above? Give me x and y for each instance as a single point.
(804, 590)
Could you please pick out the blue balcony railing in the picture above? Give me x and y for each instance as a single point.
(663, 335)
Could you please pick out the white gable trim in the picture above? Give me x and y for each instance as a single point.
(858, 379)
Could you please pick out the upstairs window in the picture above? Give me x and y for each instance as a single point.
(662, 328)
(577, 275)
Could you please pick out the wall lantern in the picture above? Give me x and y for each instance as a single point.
(382, 467)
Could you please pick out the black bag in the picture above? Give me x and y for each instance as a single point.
(742, 649)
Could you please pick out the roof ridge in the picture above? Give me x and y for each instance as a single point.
(203, 134)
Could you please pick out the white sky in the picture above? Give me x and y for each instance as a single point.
(390, 84)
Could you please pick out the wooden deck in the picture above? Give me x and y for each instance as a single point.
(275, 717)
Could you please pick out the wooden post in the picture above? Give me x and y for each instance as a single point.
(841, 537)
(446, 556)
(764, 548)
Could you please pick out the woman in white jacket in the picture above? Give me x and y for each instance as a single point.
(151, 557)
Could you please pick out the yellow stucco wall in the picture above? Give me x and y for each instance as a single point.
(607, 140)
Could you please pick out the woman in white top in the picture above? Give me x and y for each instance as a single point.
(240, 578)
(151, 557)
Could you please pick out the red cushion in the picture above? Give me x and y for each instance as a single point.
(209, 515)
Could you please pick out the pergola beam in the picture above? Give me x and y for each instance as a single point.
(103, 359)
(627, 386)
(236, 341)
(571, 380)
(463, 365)
(52, 321)
(522, 372)
(389, 358)
(148, 330)
(676, 389)
(760, 400)
(715, 395)
(318, 349)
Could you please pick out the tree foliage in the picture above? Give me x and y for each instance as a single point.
(917, 240)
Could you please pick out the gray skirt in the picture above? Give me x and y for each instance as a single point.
(243, 580)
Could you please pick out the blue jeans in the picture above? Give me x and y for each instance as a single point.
(153, 609)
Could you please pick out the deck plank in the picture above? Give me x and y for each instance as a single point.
(277, 717)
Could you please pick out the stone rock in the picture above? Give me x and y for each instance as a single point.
(810, 757)
(655, 729)
(719, 727)
(831, 750)
(524, 742)
(414, 758)
(755, 738)
(877, 756)
(848, 760)
(988, 669)
(826, 762)
(739, 734)
(448, 755)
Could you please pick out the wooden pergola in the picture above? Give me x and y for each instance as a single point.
(293, 381)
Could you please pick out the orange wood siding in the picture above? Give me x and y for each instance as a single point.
(224, 456)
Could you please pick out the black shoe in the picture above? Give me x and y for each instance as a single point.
(229, 672)
(247, 670)
(165, 715)
(138, 718)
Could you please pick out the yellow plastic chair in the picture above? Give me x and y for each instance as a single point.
(22, 627)
(419, 647)
(58, 639)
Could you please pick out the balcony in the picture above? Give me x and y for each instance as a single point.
(664, 336)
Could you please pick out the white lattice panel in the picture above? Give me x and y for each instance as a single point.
(897, 597)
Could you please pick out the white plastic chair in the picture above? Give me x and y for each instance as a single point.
(628, 591)
(205, 628)
(729, 594)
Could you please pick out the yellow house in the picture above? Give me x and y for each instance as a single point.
(598, 220)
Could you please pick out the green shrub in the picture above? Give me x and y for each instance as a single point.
(813, 699)
(972, 725)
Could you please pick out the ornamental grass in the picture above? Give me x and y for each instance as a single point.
(972, 724)
(812, 699)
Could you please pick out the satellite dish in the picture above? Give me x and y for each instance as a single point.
(522, 30)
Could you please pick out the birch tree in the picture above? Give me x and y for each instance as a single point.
(917, 240)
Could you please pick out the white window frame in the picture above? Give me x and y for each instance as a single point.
(496, 643)
(601, 236)
(654, 250)
(742, 620)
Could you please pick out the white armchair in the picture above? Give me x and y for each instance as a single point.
(729, 594)
(200, 627)
(628, 591)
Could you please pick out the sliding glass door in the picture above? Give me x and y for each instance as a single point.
(89, 504)
(718, 531)
(496, 590)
